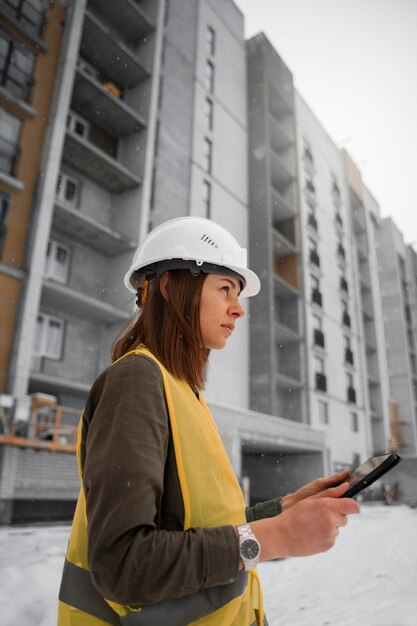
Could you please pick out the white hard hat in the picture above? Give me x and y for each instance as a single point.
(195, 243)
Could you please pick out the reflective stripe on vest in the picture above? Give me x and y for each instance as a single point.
(78, 591)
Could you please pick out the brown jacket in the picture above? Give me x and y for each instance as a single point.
(139, 553)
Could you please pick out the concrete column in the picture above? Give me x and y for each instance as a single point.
(20, 363)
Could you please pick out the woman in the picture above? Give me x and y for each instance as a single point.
(160, 534)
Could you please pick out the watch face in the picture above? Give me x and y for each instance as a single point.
(249, 549)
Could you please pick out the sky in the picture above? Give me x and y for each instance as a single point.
(355, 64)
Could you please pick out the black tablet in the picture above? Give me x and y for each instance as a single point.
(369, 472)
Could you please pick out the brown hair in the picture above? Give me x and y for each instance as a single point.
(170, 328)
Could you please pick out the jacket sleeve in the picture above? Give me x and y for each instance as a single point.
(261, 510)
(133, 560)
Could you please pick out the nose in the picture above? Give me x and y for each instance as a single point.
(236, 310)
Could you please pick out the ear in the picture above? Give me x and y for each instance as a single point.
(164, 286)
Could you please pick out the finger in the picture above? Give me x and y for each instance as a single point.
(333, 492)
(339, 477)
(342, 506)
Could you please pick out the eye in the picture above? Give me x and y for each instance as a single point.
(225, 288)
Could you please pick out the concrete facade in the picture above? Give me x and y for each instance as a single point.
(333, 330)
(399, 332)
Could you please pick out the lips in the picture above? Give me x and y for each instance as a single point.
(229, 327)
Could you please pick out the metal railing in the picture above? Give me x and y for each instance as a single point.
(15, 80)
(29, 17)
(8, 156)
(51, 428)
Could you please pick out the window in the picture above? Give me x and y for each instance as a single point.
(206, 198)
(78, 125)
(16, 67)
(207, 155)
(336, 192)
(10, 126)
(57, 261)
(351, 393)
(323, 412)
(4, 209)
(209, 76)
(49, 336)
(208, 113)
(211, 41)
(308, 159)
(68, 189)
(318, 336)
(315, 290)
(314, 257)
(321, 382)
(354, 422)
(345, 313)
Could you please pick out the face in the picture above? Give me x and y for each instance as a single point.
(219, 310)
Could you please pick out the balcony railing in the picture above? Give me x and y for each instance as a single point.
(15, 80)
(31, 20)
(50, 427)
(318, 338)
(316, 297)
(321, 382)
(8, 156)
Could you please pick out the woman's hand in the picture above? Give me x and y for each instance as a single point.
(310, 526)
(318, 488)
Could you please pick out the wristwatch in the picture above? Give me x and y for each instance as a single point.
(249, 546)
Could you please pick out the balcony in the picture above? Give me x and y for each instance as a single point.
(318, 338)
(27, 18)
(316, 297)
(314, 258)
(14, 80)
(281, 145)
(59, 297)
(346, 319)
(282, 203)
(96, 164)
(88, 231)
(127, 17)
(351, 395)
(107, 111)
(102, 45)
(9, 153)
(349, 356)
(283, 247)
(321, 382)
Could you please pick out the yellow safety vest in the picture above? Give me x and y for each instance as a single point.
(211, 496)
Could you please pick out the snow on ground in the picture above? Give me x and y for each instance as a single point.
(368, 579)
